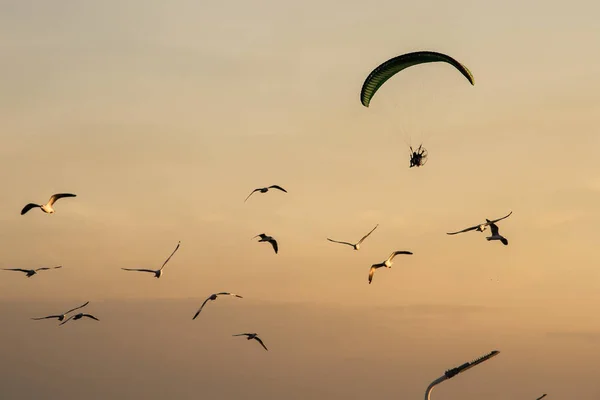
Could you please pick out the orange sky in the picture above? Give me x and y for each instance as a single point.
(163, 116)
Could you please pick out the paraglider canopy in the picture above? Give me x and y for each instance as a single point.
(391, 67)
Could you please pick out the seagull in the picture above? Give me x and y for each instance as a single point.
(47, 208)
(214, 297)
(31, 272)
(265, 190)
(483, 227)
(61, 317)
(357, 245)
(265, 238)
(495, 234)
(79, 316)
(540, 398)
(157, 273)
(387, 263)
(253, 336)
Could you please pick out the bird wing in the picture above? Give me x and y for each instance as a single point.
(277, 187)
(57, 196)
(229, 294)
(539, 398)
(48, 317)
(201, 307)
(367, 235)
(139, 270)
(251, 193)
(371, 272)
(29, 207)
(337, 241)
(464, 230)
(47, 268)
(394, 254)
(165, 263)
(242, 334)
(494, 229)
(500, 219)
(16, 269)
(262, 236)
(77, 308)
(90, 316)
(274, 243)
(261, 342)
(66, 320)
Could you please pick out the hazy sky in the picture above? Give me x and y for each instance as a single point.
(163, 116)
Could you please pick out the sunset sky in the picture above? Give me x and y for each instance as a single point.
(162, 116)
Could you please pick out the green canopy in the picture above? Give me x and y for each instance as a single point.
(391, 67)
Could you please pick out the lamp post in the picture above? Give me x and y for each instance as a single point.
(455, 371)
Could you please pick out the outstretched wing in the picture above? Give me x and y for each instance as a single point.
(274, 244)
(139, 270)
(262, 236)
(48, 317)
(336, 241)
(242, 334)
(500, 219)
(394, 254)
(261, 342)
(229, 294)
(371, 273)
(464, 230)
(251, 193)
(47, 268)
(16, 269)
(66, 320)
(57, 196)
(277, 187)
(493, 228)
(367, 235)
(29, 207)
(540, 398)
(201, 307)
(165, 263)
(77, 308)
(90, 316)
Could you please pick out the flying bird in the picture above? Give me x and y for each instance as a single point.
(79, 316)
(157, 273)
(356, 246)
(387, 263)
(61, 317)
(253, 336)
(482, 227)
(213, 297)
(265, 238)
(495, 234)
(265, 190)
(31, 272)
(47, 208)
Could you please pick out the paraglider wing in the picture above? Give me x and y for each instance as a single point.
(391, 67)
